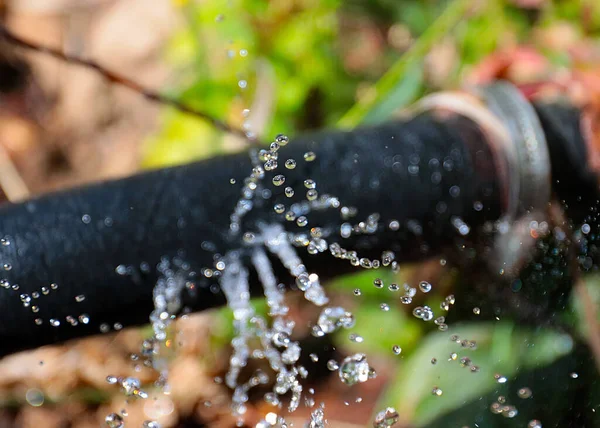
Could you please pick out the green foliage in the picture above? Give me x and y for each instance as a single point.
(380, 329)
(288, 46)
(291, 57)
(502, 348)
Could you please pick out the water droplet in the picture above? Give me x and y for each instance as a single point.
(386, 418)
(310, 156)
(80, 298)
(425, 287)
(7, 266)
(302, 221)
(312, 194)
(437, 391)
(355, 369)
(317, 419)
(355, 338)
(248, 238)
(289, 192)
(279, 208)
(34, 397)
(121, 270)
(333, 318)
(534, 423)
(86, 218)
(384, 307)
(476, 311)
(291, 354)
(5, 241)
(500, 379)
(309, 184)
(357, 292)
(524, 393)
(332, 365)
(454, 191)
(270, 165)
(387, 257)
(396, 349)
(131, 386)
(278, 180)
(114, 420)
(290, 164)
(425, 313)
(54, 322)
(509, 412)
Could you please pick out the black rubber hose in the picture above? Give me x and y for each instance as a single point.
(421, 172)
(574, 183)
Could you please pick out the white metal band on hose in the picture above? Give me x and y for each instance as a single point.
(532, 155)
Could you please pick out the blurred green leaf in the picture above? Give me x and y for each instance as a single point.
(381, 330)
(502, 348)
(405, 92)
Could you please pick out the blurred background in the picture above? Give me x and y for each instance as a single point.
(270, 67)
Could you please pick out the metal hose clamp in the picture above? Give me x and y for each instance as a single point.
(530, 178)
(522, 161)
(528, 151)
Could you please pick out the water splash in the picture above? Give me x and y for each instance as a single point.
(355, 369)
(386, 418)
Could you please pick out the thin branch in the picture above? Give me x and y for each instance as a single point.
(112, 77)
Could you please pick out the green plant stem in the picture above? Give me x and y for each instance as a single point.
(437, 31)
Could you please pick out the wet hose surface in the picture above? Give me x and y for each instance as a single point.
(573, 181)
(104, 241)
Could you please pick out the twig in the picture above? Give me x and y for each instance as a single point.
(112, 77)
